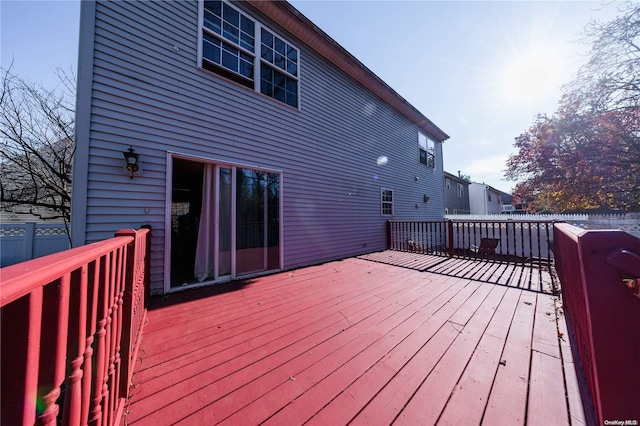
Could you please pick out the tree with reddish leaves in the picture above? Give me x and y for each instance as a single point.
(586, 156)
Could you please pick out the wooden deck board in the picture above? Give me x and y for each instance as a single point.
(318, 384)
(307, 376)
(472, 390)
(363, 340)
(354, 397)
(430, 399)
(508, 399)
(267, 325)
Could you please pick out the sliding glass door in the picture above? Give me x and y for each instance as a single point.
(233, 215)
(224, 221)
(257, 221)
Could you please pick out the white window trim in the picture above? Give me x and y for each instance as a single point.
(171, 155)
(257, 56)
(429, 149)
(383, 202)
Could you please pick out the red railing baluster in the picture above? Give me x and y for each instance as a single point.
(101, 336)
(75, 354)
(55, 361)
(120, 288)
(112, 323)
(92, 309)
(32, 355)
(62, 328)
(104, 388)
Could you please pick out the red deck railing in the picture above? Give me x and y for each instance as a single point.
(514, 241)
(71, 327)
(599, 273)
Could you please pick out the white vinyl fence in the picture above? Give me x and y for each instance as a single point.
(25, 241)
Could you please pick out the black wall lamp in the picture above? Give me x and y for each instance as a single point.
(131, 161)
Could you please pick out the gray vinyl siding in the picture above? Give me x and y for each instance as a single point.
(454, 203)
(147, 92)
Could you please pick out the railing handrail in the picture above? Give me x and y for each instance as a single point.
(71, 331)
(20, 279)
(506, 220)
(602, 314)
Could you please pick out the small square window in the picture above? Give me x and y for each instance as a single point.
(386, 198)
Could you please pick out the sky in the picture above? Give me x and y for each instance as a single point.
(480, 70)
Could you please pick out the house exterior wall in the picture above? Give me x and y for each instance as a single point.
(139, 85)
(454, 201)
(483, 199)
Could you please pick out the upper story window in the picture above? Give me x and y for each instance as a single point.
(279, 69)
(230, 42)
(447, 183)
(386, 198)
(460, 190)
(427, 148)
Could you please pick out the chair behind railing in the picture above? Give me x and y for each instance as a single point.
(599, 273)
(71, 324)
(518, 242)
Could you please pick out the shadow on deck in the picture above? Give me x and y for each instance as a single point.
(520, 275)
(399, 340)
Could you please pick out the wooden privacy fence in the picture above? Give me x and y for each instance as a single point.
(71, 327)
(514, 241)
(599, 273)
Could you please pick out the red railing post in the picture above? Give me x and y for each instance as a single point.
(602, 314)
(389, 246)
(127, 311)
(135, 290)
(147, 265)
(62, 329)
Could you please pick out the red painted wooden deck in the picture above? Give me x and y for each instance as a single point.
(364, 342)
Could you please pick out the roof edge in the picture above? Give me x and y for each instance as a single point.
(301, 27)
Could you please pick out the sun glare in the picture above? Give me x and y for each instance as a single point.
(532, 75)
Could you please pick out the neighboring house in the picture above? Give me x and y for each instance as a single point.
(508, 206)
(263, 145)
(484, 199)
(456, 194)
